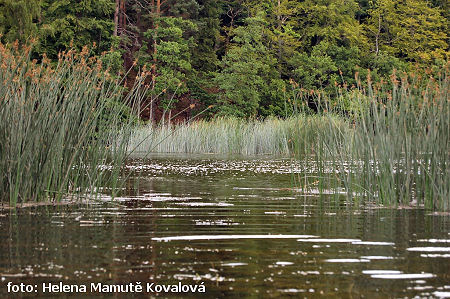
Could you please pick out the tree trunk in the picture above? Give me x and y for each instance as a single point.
(116, 17)
(122, 18)
(156, 14)
(232, 14)
(377, 38)
(279, 41)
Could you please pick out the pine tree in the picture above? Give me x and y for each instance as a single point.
(19, 19)
(171, 60)
(204, 55)
(246, 70)
(68, 23)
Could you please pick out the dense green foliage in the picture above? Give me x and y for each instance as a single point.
(239, 55)
(18, 19)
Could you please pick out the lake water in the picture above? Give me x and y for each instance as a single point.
(239, 226)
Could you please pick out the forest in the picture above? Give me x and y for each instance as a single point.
(237, 57)
(237, 148)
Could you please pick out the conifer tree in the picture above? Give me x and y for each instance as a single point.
(246, 70)
(19, 19)
(68, 23)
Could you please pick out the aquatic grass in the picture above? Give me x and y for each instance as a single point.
(59, 123)
(272, 136)
(384, 144)
(395, 150)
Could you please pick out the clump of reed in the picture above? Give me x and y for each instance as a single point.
(395, 147)
(59, 123)
(379, 142)
(230, 136)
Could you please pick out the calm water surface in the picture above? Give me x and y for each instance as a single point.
(237, 225)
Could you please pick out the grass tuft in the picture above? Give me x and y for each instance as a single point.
(230, 136)
(59, 124)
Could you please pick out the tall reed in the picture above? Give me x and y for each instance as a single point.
(230, 136)
(59, 123)
(395, 148)
(385, 143)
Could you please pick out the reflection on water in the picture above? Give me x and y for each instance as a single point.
(239, 226)
(229, 237)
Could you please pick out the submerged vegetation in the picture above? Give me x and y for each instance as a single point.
(58, 124)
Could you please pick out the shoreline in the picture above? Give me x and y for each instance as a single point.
(8, 207)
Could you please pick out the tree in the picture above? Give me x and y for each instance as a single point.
(330, 43)
(333, 21)
(68, 23)
(161, 34)
(282, 39)
(246, 70)
(170, 60)
(315, 70)
(204, 55)
(19, 19)
(407, 29)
